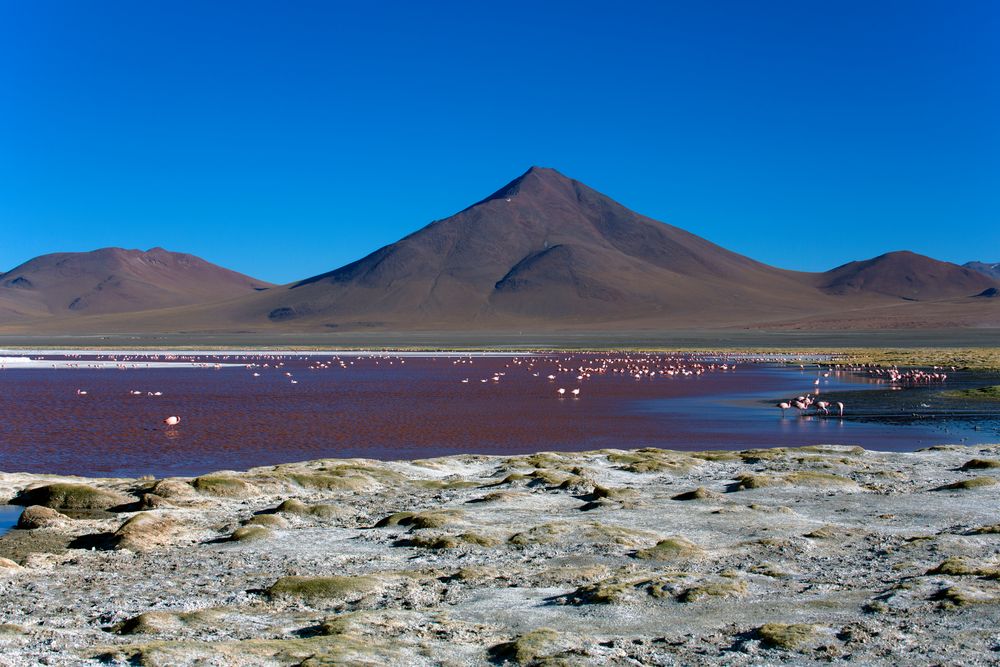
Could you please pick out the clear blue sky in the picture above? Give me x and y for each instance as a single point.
(284, 139)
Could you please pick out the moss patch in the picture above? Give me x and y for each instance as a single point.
(786, 636)
(530, 648)
(144, 531)
(322, 588)
(69, 497)
(671, 548)
(448, 541)
(967, 484)
(980, 464)
(744, 482)
(223, 486)
(701, 493)
(726, 588)
(422, 520)
(978, 394)
(266, 520)
(250, 534)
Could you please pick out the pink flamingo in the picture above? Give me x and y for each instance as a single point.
(172, 420)
(840, 406)
(784, 406)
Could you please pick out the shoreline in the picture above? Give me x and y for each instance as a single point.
(786, 555)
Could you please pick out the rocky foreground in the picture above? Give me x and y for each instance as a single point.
(775, 556)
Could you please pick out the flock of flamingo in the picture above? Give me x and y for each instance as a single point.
(554, 369)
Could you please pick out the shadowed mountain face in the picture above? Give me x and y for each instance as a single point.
(991, 270)
(906, 275)
(115, 280)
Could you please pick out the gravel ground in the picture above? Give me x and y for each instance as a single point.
(776, 556)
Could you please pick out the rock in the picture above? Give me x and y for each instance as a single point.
(144, 531)
(38, 516)
(173, 489)
(151, 501)
(7, 566)
(701, 493)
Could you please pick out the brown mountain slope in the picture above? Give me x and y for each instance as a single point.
(543, 248)
(548, 253)
(905, 275)
(115, 280)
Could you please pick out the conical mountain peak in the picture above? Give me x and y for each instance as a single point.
(534, 183)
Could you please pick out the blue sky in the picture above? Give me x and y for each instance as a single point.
(284, 139)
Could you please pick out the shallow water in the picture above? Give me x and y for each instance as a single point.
(395, 408)
(9, 514)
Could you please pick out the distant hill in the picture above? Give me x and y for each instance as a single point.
(542, 253)
(115, 280)
(905, 275)
(991, 270)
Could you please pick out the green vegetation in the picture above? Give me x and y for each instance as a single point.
(671, 548)
(546, 533)
(299, 508)
(980, 464)
(250, 533)
(322, 588)
(448, 541)
(978, 394)
(786, 636)
(652, 460)
(811, 478)
(421, 520)
(608, 591)
(748, 481)
(62, 496)
(159, 622)
(223, 486)
(966, 484)
(953, 597)
(143, 531)
(957, 566)
(727, 588)
(266, 520)
(531, 648)
(701, 493)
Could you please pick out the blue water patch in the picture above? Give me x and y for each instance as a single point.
(9, 514)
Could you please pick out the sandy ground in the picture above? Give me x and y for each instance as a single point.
(780, 556)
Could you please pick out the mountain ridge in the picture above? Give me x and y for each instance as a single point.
(548, 251)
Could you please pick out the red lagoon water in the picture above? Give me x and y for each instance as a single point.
(394, 408)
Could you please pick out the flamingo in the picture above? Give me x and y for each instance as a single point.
(784, 405)
(172, 420)
(823, 405)
(576, 392)
(840, 406)
(81, 392)
(560, 391)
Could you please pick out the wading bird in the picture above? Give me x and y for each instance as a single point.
(172, 420)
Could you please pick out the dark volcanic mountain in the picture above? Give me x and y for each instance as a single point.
(905, 275)
(543, 248)
(991, 270)
(115, 280)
